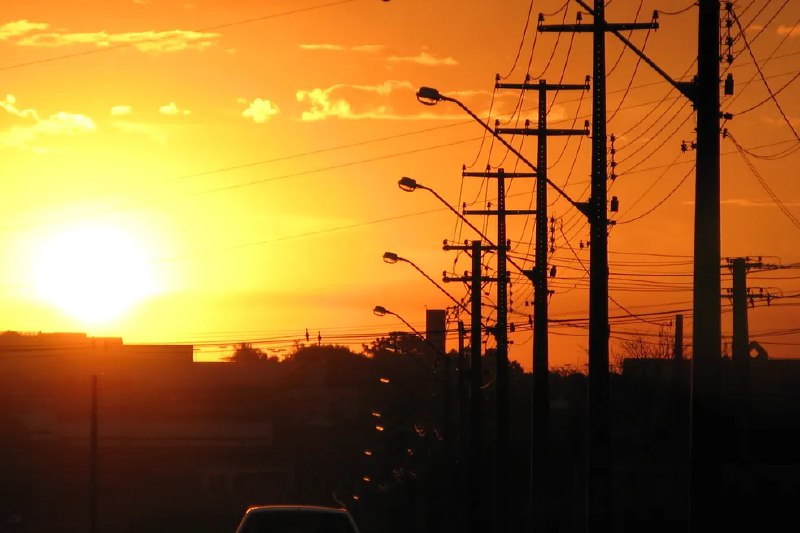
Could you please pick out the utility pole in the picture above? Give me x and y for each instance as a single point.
(503, 445)
(598, 442)
(540, 401)
(93, 492)
(705, 463)
(677, 350)
(740, 294)
(476, 375)
(462, 389)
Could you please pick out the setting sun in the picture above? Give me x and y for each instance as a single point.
(94, 274)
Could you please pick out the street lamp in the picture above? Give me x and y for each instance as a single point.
(392, 258)
(379, 310)
(430, 96)
(410, 185)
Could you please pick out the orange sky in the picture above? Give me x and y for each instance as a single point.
(215, 172)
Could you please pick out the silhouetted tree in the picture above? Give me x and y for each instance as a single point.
(644, 346)
(247, 353)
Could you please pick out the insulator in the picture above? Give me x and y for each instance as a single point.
(729, 84)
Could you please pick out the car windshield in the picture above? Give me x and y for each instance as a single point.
(296, 522)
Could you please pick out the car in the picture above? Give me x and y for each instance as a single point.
(296, 519)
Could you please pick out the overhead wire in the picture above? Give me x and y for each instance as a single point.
(793, 219)
(761, 73)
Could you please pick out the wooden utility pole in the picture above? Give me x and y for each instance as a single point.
(540, 396)
(705, 461)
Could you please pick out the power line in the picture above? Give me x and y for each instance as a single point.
(761, 73)
(764, 184)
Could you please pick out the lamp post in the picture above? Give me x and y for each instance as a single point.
(392, 258)
(430, 96)
(379, 310)
(595, 211)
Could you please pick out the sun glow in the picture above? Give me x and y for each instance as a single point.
(93, 273)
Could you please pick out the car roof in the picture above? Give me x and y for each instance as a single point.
(312, 508)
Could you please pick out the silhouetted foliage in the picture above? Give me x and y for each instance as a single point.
(247, 353)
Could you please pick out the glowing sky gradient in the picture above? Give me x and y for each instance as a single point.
(251, 150)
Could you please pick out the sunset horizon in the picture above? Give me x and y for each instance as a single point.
(243, 161)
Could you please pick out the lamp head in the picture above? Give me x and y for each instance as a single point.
(390, 257)
(428, 96)
(380, 310)
(407, 184)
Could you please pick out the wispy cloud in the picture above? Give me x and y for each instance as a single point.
(120, 110)
(368, 48)
(28, 34)
(25, 135)
(321, 46)
(747, 202)
(424, 58)
(172, 109)
(259, 110)
(393, 100)
(20, 27)
(792, 31)
(365, 48)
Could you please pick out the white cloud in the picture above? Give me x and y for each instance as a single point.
(172, 109)
(61, 123)
(424, 58)
(146, 41)
(120, 110)
(259, 110)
